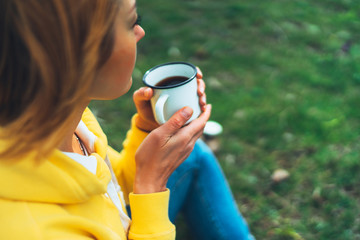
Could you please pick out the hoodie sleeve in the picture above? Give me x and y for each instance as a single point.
(150, 216)
(149, 211)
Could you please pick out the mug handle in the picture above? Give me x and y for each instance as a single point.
(159, 108)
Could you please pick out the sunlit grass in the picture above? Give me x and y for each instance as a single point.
(284, 80)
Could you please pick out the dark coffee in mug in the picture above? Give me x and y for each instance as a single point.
(170, 81)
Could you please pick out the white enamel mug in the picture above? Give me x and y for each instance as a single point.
(169, 99)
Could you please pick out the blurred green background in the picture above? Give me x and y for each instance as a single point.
(284, 80)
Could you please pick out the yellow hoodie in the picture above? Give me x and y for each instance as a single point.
(61, 199)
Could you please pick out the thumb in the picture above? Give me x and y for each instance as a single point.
(178, 120)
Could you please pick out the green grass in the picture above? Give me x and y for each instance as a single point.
(284, 80)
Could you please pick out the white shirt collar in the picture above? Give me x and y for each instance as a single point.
(88, 138)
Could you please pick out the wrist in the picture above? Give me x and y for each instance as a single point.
(144, 186)
(147, 188)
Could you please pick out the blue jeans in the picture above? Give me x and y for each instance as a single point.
(199, 190)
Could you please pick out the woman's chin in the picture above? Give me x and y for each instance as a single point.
(120, 92)
(127, 87)
(110, 92)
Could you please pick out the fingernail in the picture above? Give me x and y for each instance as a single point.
(147, 92)
(187, 112)
(203, 99)
(201, 89)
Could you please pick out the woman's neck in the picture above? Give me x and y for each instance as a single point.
(68, 144)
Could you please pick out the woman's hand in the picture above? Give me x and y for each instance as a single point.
(145, 120)
(201, 89)
(165, 148)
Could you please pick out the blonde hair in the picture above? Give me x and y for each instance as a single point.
(50, 53)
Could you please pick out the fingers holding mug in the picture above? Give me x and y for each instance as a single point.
(201, 93)
(196, 127)
(199, 73)
(201, 89)
(145, 119)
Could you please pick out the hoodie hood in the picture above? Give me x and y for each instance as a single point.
(59, 179)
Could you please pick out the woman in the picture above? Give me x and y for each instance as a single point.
(59, 178)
